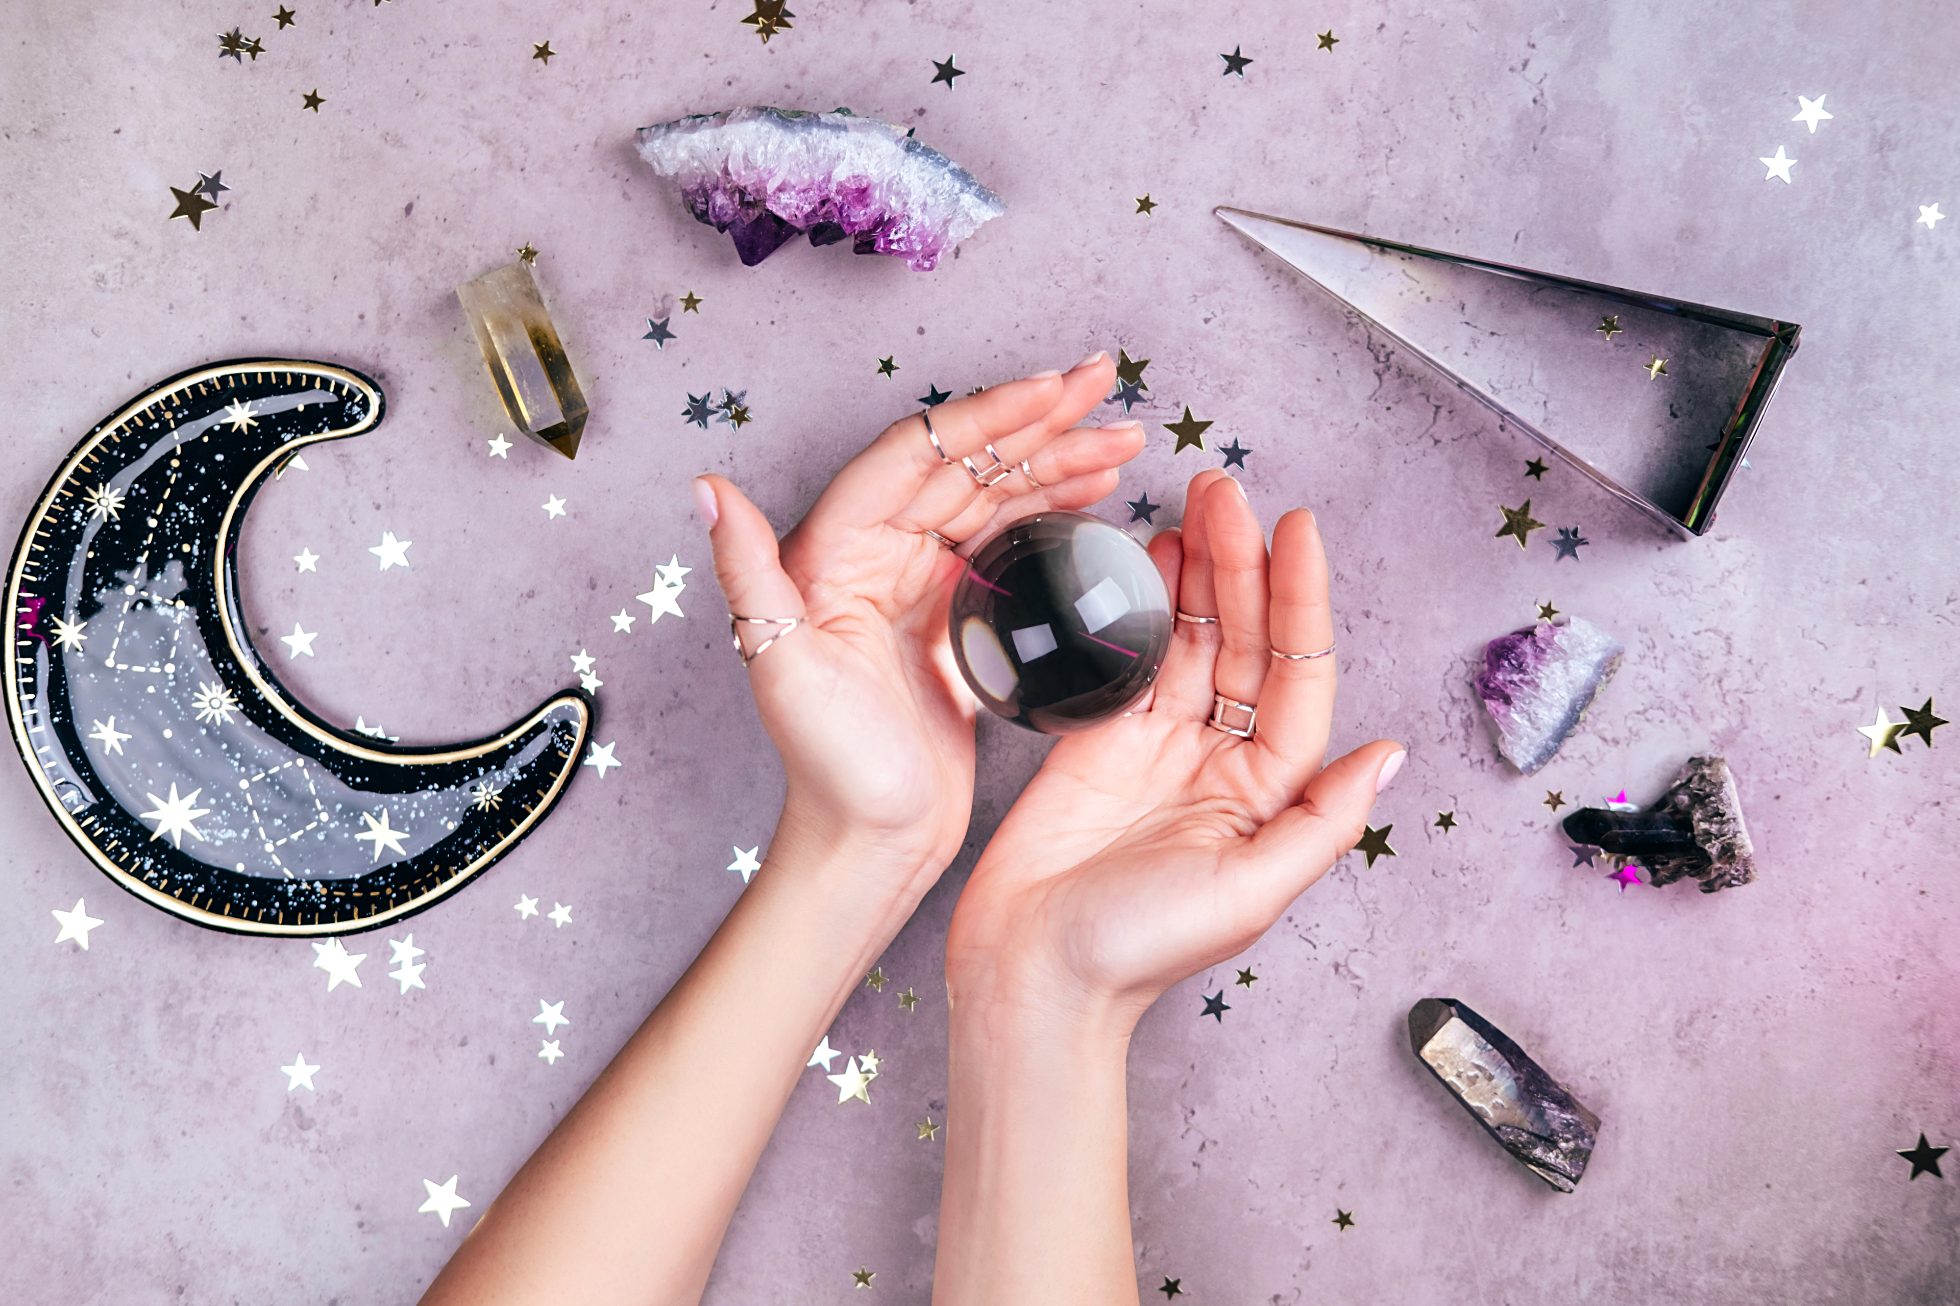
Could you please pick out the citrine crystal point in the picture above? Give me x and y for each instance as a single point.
(1517, 1102)
(1694, 832)
(527, 361)
(1537, 682)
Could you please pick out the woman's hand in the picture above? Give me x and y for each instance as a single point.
(1154, 845)
(862, 699)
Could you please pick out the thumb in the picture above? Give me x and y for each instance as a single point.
(1294, 849)
(747, 562)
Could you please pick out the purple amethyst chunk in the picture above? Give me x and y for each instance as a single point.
(1538, 682)
(767, 175)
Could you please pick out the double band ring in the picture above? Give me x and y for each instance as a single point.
(1233, 717)
(950, 544)
(1303, 657)
(989, 476)
(1196, 620)
(786, 624)
(925, 415)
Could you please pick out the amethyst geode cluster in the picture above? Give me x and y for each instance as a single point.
(1537, 683)
(766, 176)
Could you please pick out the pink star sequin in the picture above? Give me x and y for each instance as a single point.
(1628, 874)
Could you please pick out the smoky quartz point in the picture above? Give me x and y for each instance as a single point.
(527, 361)
(1510, 1095)
(1694, 832)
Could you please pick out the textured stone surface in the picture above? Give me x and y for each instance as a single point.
(152, 1153)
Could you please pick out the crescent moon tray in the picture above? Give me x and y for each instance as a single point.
(163, 742)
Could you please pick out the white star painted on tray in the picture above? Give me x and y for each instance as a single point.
(560, 915)
(105, 503)
(527, 907)
(662, 599)
(175, 816)
(550, 1052)
(342, 966)
(554, 507)
(300, 641)
(583, 662)
(70, 634)
(111, 739)
(443, 1201)
(391, 551)
(299, 1074)
(551, 1015)
(622, 622)
(307, 560)
(239, 415)
(75, 924)
(214, 703)
(601, 757)
(1930, 215)
(1779, 166)
(746, 862)
(500, 447)
(361, 727)
(486, 795)
(824, 1055)
(382, 835)
(1811, 112)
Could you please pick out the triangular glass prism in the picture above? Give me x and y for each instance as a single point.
(1570, 363)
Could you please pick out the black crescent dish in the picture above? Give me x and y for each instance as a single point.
(164, 743)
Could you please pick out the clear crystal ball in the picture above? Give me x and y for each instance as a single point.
(1061, 620)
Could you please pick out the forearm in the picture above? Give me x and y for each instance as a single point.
(1034, 1207)
(628, 1199)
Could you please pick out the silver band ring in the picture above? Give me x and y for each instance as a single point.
(1225, 716)
(988, 476)
(951, 544)
(735, 634)
(925, 415)
(1303, 657)
(1029, 473)
(1195, 620)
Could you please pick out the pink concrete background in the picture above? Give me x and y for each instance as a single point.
(1756, 1056)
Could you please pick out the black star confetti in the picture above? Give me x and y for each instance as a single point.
(1234, 63)
(1345, 1219)
(312, 100)
(945, 72)
(1171, 1287)
(1128, 394)
(1921, 722)
(1925, 1159)
(1535, 469)
(934, 397)
(1568, 542)
(1234, 454)
(658, 333)
(284, 17)
(211, 185)
(1215, 1007)
(732, 402)
(232, 44)
(1583, 854)
(1141, 509)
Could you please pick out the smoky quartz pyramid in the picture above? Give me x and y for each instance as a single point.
(1518, 1103)
(1570, 363)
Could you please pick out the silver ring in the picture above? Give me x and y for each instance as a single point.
(951, 544)
(925, 415)
(988, 476)
(1029, 473)
(735, 635)
(1182, 615)
(1223, 707)
(1303, 657)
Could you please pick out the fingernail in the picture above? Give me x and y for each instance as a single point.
(1092, 359)
(1389, 768)
(1043, 376)
(1238, 485)
(704, 501)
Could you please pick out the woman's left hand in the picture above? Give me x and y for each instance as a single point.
(862, 699)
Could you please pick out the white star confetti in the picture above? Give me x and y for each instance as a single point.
(623, 622)
(75, 924)
(382, 835)
(551, 1015)
(590, 683)
(391, 551)
(1930, 215)
(824, 1055)
(175, 816)
(601, 757)
(746, 863)
(300, 641)
(583, 662)
(111, 739)
(361, 727)
(527, 907)
(1811, 112)
(560, 915)
(671, 571)
(664, 597)
(299, 1074)
(307, 560)
(550, 1052)
(342, 966)
(500, 447)
(1779, 166)
(443, 1201)
(554, 507)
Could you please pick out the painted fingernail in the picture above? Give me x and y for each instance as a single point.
(704, 501)
(1091, 360)
(1389, 768)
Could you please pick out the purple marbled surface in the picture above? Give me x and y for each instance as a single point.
(1755, 1057)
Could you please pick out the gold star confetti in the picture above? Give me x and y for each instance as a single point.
(1518, 522)
(1145, 204)
(769, 18)
(1446, 821)
(876, 979)
(1546, 612)
(854, 1082)
(1609, 326)
(1554, 799)
(1328, 40)
(1656, 369)
(1921, 722)
(1374, 843)
(192, 206)
(232, 43)
(1246, 979)
(738, 416)
(1129, 371)
(691, 302)
(871, 1064)
(312, 100)
(861, 1278)
(284, 17)
(1345, 1219)
(1883, 732)
(928, 1131)
(542, 52)
(1189, 430)
(886, 366)
(527, 252)
(909, 1000)
(1536, 469)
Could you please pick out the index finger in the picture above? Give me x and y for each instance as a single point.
(1296, 711)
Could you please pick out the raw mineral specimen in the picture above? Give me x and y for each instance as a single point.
(767, 175)
(527, 362)
(1538, 682)
(1510, 1095)
(1694, 831)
